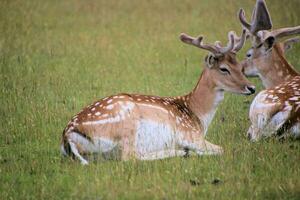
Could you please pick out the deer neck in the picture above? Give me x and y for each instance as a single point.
(278, 71)
(205, 98)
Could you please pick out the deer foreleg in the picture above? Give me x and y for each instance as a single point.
(163, 154)
(202, 147)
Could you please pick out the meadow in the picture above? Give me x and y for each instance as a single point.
(59, 56)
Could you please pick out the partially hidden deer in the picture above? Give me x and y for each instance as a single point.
(275, 110)
(146, 127)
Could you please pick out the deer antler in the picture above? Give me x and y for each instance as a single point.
(261, 19)
(243, 19)
(283, 32)
(239, 41)
(216, 49)
(230, 44)
(197, 42)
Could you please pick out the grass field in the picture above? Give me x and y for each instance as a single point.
(58, 56)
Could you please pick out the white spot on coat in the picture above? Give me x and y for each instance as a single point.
(109, 107)
(109, 101)
(294, 98)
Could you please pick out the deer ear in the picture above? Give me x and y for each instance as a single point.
(287, 44)
(269, 42)
(210, 60)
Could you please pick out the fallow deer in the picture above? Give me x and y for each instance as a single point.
(276, 109)
(150, 127)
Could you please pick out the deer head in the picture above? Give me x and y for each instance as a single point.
(221, 63)
(267, 49)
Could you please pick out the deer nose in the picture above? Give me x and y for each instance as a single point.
(251, 89)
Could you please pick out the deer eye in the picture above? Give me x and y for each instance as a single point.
(224, 70)
(260, 45)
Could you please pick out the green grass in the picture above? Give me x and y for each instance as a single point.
(58, 56)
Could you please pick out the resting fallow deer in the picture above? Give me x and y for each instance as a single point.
(277, 109)
(150, 127)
